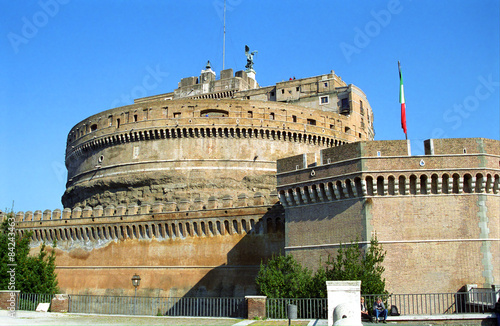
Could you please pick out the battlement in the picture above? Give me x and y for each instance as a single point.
(384, 168)
(170, 220)
(389, 148)
(182, 208)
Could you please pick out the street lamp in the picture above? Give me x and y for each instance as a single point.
(136, 279)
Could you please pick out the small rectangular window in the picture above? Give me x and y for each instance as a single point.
(282, 91)
(272, 93)
(311, 122)
(271, 116)
(145, 115)
(177, 114)
(250, 114)
(297, 88)
(135, 117)
(326, 84)
(294, 118)
(117, 123)
(323, 100)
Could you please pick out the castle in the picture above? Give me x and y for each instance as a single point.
(180, 188)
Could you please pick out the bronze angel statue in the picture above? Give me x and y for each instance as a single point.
(249, 55)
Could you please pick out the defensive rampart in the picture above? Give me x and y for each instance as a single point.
(435, 214)
(209, 248)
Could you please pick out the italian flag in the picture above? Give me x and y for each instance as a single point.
(402, 99)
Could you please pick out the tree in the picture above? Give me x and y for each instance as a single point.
(350, 264)
(284, 277)
(33, 274)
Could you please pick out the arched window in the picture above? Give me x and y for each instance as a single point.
(203, 231)
(423, 184)
(445, 184)
(181, 231)
(369, 186)
(489, 184)
(359, 187)
(434, 184)
(340, 189)
(391, 185)
(218, 227)
(349, 190)
(413, 184)
(380, 186)
(456, 183)
(402, 185)
(479, 183)
(468, 183)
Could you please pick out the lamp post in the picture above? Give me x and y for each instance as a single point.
(136, 279)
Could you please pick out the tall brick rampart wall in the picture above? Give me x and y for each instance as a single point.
(437, 215)
(204, 248)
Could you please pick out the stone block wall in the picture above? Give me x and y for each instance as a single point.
(436, 215)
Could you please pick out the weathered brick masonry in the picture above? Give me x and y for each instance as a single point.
(437, 215)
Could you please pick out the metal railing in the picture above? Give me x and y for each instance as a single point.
(436, 303)
(158, 306)
(307, 308)
(29, 301)
(483, 296)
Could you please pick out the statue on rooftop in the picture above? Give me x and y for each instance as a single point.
(249, 55)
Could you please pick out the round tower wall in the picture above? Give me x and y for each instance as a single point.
(191, 148)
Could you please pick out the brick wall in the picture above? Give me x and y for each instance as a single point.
(9, 300)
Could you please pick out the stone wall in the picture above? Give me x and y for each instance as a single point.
(217, 249)
(190, 148)
(436, 215)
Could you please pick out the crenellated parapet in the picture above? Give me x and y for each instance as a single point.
(463, 166)
(120, 210)
(168, 220)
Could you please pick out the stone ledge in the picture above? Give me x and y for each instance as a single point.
(441, 317)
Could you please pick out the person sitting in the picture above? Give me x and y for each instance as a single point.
(379, 310)
(365, 315)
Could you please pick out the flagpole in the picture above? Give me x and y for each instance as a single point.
(224, 38)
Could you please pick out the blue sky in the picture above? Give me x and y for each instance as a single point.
(65, 60)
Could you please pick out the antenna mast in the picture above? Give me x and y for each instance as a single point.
(224, 38)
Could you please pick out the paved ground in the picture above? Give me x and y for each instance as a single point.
(47, 318)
